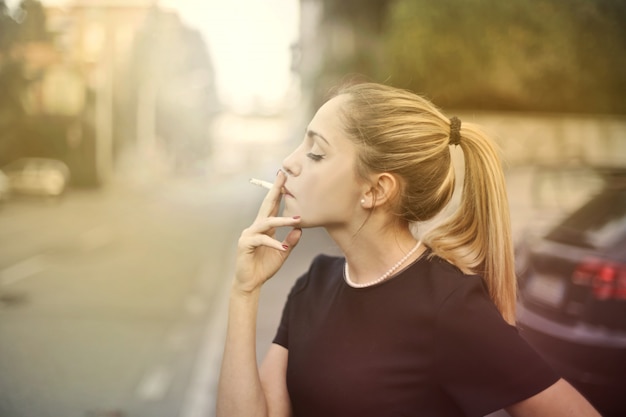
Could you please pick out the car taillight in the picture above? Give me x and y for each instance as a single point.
(606, 279)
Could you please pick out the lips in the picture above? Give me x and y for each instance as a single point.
(286, 192)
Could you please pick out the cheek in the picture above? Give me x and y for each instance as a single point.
(338, 190)
(343, 182)
(325, 191)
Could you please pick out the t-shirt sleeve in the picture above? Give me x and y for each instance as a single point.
(482, 361)
(282, 334)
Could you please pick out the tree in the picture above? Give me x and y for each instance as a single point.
(11, 84)
(8, 29)
(33, 26)
(515, 55)
(25, 25)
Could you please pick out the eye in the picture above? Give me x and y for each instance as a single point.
(315, 156)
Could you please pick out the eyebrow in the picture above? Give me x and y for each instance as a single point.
(311, 133)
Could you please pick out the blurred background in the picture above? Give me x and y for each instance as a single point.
(129, 130)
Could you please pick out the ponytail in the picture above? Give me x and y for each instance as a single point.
(477, 236)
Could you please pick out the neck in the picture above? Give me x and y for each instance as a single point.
(372, 251)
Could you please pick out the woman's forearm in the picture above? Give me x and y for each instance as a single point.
(240, 392)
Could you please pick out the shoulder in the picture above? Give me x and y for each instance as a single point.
(461, 301)
(447, 282)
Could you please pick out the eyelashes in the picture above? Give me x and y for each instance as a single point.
(314, 156)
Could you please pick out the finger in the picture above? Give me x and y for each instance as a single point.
(254, 242)
(292, 238)
(271, 202)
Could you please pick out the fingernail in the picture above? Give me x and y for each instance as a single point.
(279, 171)
(295, 217)
(285, 247)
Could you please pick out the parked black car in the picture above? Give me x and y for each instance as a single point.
(572, 305)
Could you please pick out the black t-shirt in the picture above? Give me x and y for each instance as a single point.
(428, 342)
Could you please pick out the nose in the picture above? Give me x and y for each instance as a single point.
(291, 165)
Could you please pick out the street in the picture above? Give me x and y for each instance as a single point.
(105, 295)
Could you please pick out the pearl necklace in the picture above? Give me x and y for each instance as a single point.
(346, 273)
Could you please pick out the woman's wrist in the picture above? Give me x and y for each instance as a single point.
(244, 291)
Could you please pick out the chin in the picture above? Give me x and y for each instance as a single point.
(288, 212)
(289, 208)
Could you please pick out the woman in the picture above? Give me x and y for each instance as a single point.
(399, 327)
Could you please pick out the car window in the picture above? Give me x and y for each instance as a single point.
(599, 223)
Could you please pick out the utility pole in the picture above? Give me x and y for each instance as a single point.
(104, 101)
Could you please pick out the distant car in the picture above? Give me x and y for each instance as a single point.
(572, 305)
(37, 176)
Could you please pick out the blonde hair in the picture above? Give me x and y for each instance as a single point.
(404, 134)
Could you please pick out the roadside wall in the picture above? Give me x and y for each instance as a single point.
(556, 139)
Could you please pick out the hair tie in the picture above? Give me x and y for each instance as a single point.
(455, 131)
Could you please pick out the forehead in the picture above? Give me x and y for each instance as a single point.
(327, 120)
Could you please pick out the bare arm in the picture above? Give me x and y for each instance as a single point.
(558, 400)
(274, 381)
(241, 390)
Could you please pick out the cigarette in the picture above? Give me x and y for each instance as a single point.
(261, 183)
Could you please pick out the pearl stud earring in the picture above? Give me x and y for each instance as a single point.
(362, 201)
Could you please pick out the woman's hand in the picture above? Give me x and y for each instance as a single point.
(259, 254)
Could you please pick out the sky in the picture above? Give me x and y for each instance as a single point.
(248, 40)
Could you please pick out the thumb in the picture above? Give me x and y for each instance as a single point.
(292, 238)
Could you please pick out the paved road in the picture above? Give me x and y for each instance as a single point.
(105, 295)
(110, 299)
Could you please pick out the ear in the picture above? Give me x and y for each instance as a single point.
(385, 187)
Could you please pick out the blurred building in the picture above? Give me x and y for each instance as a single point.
(94, 39)
(103, 76)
